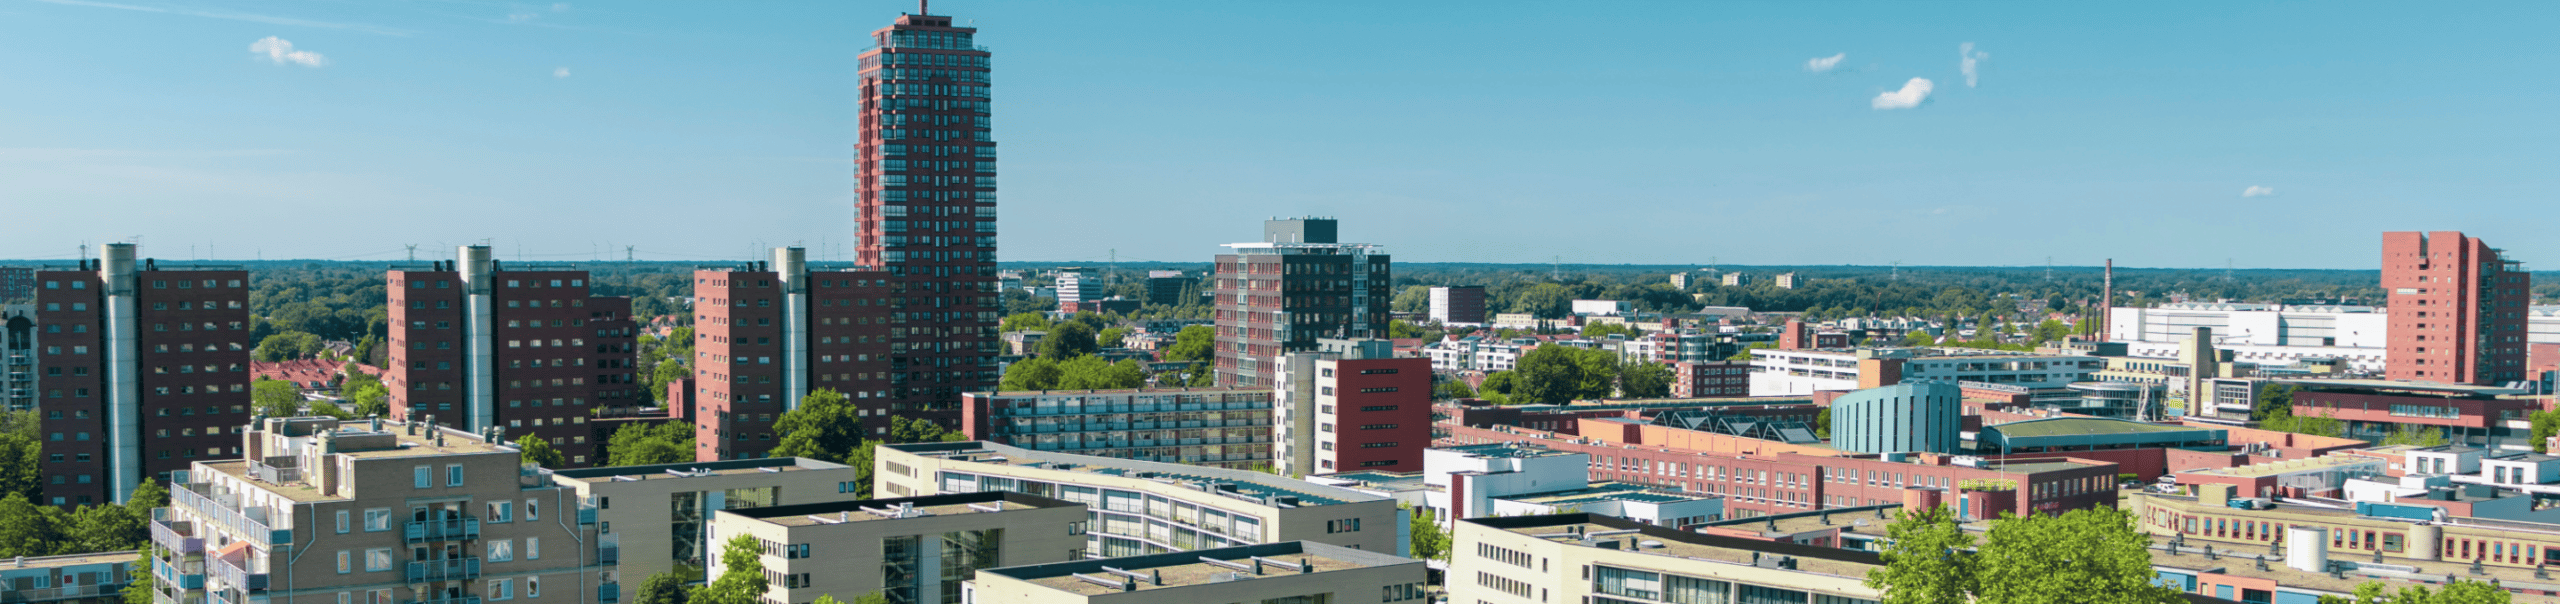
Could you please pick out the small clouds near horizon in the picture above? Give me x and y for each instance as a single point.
(1911, 94)
(1972, 63)
(2257, 191)
(281, 52)
(560, 73)
(1823, 64)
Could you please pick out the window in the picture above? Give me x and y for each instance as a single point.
(502, 550)
(532, 510)
(501, 511)
(1346, 525)
(453, 475)
(1378, 427)
(377, 520)
(1379, 408)
(502, 589)
(377, 559)
(532, 550)
(423, 477)
(346, 562)
(342, 529)
(532, 587)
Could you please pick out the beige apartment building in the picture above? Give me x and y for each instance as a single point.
(911, 549)
(656, 518)
(347, 512)
(1295, 572)
(1598, 559)
(1143, 507)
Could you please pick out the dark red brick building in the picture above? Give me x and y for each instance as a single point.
(1711, 379)
(138, 368)
(526, 348)
(2457, 309)
(926, 207)
(1297, 285)
(768, 334)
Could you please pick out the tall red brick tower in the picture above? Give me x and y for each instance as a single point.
(2457, 309)
(926, 210)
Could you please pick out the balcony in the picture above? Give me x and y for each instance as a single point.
(586, 514)
(162, 597)
(175, 535)
(456, 529)
(609, 593)
(185, 575)
(609, 553)
(233, 575)
(284, 470)
(458, 569)
(460, 600)
(73, 592)
(224, 509)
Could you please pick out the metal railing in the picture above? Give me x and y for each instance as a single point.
(189, 575)
(247, 520)
(16, 596)
(609, 592)
(175, 535)
(284, 472)
(235, 576)
(458, 569)
(456, 529)
(609, 553)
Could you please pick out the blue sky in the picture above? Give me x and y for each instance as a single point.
(1643, 132)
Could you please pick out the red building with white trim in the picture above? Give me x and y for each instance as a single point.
(2457, 309)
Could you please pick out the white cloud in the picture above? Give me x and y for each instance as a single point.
(1911, 94)
(282, 52)
(1822, 64)
(560, 73)
(2257, 191)
(1972, 72)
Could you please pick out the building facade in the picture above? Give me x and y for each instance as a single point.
(657, 518)
(1710, 379)
(137, 369)
(1353, 405)
(1584, 557)
(2457, 309)
(768, 334)
(1298, 284)
(1142, 507)
(330, 511)
(926, 207)
(1295, 572)
(528, 348)
(1458, 305)
(1801, 372)
(913, 550)
(1215, 427)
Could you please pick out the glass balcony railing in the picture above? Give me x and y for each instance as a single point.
(454, 529)
(223, 509)
(458, 569)
(609, 553)
(233, 575)
(177, 536)
(586, 514)
(184, 575)
(70, 592)
(609, 593)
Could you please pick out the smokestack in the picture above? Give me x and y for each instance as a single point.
(2107, 303)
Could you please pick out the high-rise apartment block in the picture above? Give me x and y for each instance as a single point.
(1072, 286)
(1167, 287)
(1298, 284)
(767, 334)
(926, 208)
(1458, 305)
(327, 511)
(1352, 405)
(2457, 309)
(137, 368)
(525, 347)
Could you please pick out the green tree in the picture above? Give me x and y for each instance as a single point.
(2545, 425)
(1745, 354)
(1822, 423)
(1113, 337)
(1413, 299)
(1919, 337)
(903, 429)
(1430, 539)
(1646, 380)
(2457, 592)
(741, 579)
(1498, 387)
(326, 408)
(2274, 400)
(2316, 425)
(1544, 300)
(2414, 435)
(287, 345)
(1598, 331)
(1547, 375)
(26, 530)
(1092, 373)
(538, 451)
(1025, 321)
(365, 397)
(104, 528)
(1452, 389)
(1193, 343)
(1928, 559)
(871, 598)
(145, 586)
(825, 427)
(640, 445)
(665, 587)
(1068, 340)
(1035, 373)
(1398, 328)
(2084, 555)
(21, 450)
(275, 398)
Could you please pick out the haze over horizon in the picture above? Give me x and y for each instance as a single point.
(2270, 134)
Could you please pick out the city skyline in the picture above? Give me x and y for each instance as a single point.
(2084, 133)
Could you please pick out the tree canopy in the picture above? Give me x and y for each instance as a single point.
(640, 444)
(539, 452)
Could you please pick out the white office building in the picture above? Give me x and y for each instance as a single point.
(2267, 334)
(1777, 372)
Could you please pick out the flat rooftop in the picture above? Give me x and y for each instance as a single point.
(1506, 450)
(2289, 466)
(1589, 530)
(879, 510)
(2402, 386)
(697, 469)
(1246, 483)
(1201, 567)
(1606, 491)
(2075, 426)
